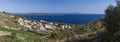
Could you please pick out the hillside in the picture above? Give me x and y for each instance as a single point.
(26, 30)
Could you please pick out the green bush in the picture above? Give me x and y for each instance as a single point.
(56, 35)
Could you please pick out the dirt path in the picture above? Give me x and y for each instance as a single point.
(2, 33)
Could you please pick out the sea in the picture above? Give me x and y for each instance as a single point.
(65, 18)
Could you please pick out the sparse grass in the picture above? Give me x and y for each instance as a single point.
(28, 35)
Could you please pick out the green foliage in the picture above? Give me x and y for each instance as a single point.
(9, 39)
(53, 35)
(13, 35)
(90, 27)
(87, 29)
(112, 18)
(25, 34)
(111, 22)
(56, 35)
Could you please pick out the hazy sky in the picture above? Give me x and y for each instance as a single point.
(55, 6)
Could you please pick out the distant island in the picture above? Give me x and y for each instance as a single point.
(16, 28)
(46, 31)
(63, 17)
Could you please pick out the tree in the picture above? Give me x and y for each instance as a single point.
(112, 24)
(112, 18)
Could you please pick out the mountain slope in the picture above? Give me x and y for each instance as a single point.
(27, 30)
(7, 20)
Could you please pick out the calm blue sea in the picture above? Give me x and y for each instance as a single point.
(67, 18)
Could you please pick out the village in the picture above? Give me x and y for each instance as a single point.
(41, 25)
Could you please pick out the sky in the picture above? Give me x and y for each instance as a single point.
(55, 6)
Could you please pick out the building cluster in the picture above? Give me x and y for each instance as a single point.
(41, 25)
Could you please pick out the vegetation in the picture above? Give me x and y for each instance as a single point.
(84, 33)
(25, 35)
(104, 30)
(112, 24)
